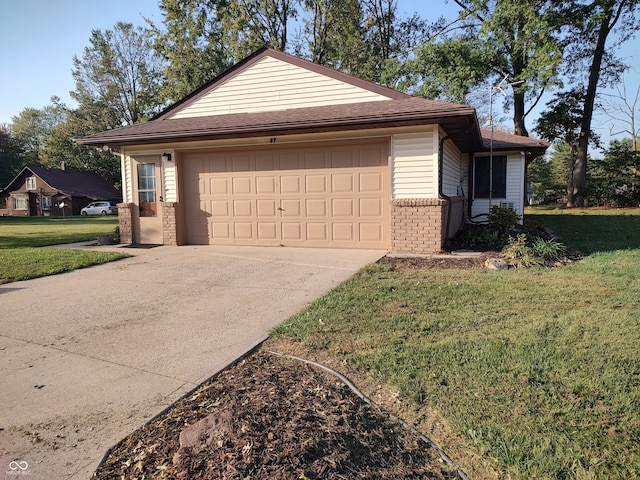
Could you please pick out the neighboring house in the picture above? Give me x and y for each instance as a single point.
(281, 151)
(38, 191)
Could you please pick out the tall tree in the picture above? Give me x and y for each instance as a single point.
(33, 126)
(11, 151)
(118, 75)
(498, 39)
(622, 108)
(191, 45)
(593, 26)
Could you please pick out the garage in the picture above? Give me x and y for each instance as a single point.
(311, 195)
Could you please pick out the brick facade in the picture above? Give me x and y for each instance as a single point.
(169, 225)
(418, 225)
(125, 222)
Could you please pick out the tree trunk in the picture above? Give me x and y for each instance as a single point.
(580, 170)
(519, 114)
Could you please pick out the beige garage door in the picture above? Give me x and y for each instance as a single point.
(316, 196)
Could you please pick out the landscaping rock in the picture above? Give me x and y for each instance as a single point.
(496, 263)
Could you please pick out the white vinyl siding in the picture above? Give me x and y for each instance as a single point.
(514, 189)
(169, 178)
(270, 85)
(452, 172)
(414, 172)
(127, 180)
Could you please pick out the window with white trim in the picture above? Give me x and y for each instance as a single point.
(31, 183)
(490, 177)
(20, 203)
(46, 203)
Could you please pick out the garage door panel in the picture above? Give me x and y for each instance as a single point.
(317, 232)
(290, 208)
(342, 207)
(266, 185)
(290, 184)
(291, 231)
(267, 231)
(242, 208)
(316, 183)
(319, 196)
(371, 182)
(316, 207)
(266, 208)
(371, 207)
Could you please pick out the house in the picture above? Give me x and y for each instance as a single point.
(38, 191)
(281, 151)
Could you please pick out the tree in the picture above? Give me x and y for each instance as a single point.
(11, 156)
(562, 122)
(615, 180)
(622, 108)
(592, 25)
(497, 39)
(118, 76)
(32, 127)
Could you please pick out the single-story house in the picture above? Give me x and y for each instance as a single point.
(281, 151)
(38, 191)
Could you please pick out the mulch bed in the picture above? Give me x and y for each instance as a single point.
(276, 418)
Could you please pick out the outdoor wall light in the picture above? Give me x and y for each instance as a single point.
(166, 157)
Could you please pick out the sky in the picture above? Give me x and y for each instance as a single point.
(38, 39)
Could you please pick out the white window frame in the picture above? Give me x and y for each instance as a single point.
(46, 202)
(22, 200)
(30, 183)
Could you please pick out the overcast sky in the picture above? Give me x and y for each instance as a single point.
(38, 39)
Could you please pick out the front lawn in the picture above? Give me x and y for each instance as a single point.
(529, 373)
(21, 239)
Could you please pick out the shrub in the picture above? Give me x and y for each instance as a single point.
(525, 252)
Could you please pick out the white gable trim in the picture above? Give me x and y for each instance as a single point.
(271, 84)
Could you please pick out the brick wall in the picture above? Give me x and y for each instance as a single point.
(418, 224)
(125, 211)
(169, 225)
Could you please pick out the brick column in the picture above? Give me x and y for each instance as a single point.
(125, 211)
(417, 225)
(169, 224)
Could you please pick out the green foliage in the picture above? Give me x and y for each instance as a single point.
(11, 156)
(118, 76)
(525, 251)
(502, 219)
(615, 180)
(538, 369)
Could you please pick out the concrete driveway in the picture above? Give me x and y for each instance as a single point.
(89, 356)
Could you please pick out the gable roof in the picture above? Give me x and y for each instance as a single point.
(72, 182)
(279, 77)
(270, 93)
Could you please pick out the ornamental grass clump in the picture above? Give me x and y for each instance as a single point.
(524, 252)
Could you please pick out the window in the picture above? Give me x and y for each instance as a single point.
(147, 189)
(31, 183)
(46, 203)
(20, 203)
(490, 177)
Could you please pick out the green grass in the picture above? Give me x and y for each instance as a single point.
(539, 369)
(21, 239)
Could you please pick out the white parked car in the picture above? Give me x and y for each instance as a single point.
(100, 208)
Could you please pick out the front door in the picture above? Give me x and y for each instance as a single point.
(148, 197)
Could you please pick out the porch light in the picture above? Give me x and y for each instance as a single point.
(166, 157)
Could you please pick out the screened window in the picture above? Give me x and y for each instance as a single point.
(147, 189)
(490, 177)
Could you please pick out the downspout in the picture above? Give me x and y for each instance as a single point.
(441, 194)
